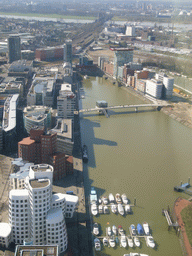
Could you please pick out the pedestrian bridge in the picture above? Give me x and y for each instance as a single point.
(103, 110)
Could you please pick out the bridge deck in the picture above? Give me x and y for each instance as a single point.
(125, 106)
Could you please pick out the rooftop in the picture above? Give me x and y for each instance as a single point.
(36, 250)
(5, 229)
(40, 183)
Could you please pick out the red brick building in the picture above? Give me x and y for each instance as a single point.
(42, 148)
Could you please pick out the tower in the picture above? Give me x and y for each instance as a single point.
(14, 48)
(67, 56)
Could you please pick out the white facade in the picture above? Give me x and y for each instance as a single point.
(130, 31)
(5, 234)
(19, 217)
(154, 88)
(168, 85)
(71, 204)
(66, 102)
(56, 229)
(40, 203)
(35, 214)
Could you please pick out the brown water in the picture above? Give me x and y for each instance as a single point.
(141, 154)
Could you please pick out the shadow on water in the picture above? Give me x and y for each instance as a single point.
(88, 125)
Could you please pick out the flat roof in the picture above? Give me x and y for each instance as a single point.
(66, 87)
(5, 229)
(36, 250)
(19, 193)
(26, 141)
(57, 197)
(40, 183)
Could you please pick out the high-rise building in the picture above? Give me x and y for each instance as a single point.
(121, 57)
(14, 48)
(66, 102)
(67, 54)
(37, 216)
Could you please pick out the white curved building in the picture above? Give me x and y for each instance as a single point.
(56, 229)
(19, 214)
(71, 204)
(39, 116)
(40, 193)
(41, 171)
(58, 201)
(5, 234)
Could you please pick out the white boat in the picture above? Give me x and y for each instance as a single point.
(123, 241)
(121, 231)
(109, 231)
(96, 229)
(135, 254)
(94, 210)
(86, 77)
(111, 198)
(130, 242)
(105, 200)
(146, 228)
(150, 241)
(133, 230)
(97, 244)
(100, 201)
(93, 196)
(136, 241)
(114, 208)
(114, 229)
(118, 198)
(82, 97)
(127, 208)
(112, 242)
(125, 199)
(100, 208)
(120, 209)
(105, 209)
(105, 241)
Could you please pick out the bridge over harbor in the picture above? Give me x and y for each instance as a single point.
(104, 110)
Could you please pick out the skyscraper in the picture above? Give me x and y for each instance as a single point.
(14, 48)
(67, 56)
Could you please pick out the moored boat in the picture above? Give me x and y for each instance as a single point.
(114, 208)
(140, 230)
(127, 208)
(105, 209)
(150, 241)
(133, 230)
(93, 196)
(96, 229)
(135, 254)
(136, 241)
(94, 210)
(114, 229)
(111, 198)
(120, 209)
(130, 241)
(118, 198)
(146, 228)
(105, 241)
(97, 244)
(109, 231)
(121, 231)
(105, 200)
(100, 208)
(85, 154)
(112, 242)
(125, 199)
(123, 241)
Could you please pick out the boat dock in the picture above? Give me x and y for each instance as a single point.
(167, 215)
(184, 187)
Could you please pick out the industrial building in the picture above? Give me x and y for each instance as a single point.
(14, 48)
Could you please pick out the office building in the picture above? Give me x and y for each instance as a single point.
(67, 51)
(5, 234)
(130, 31)
(28, 249)
(35, 215)
(121, 57)
(14, 48)
(154, 88)
(66, 102)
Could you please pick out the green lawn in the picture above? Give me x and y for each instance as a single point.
(57, 16)
(186, 215)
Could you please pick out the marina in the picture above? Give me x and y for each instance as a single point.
(143, 155)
